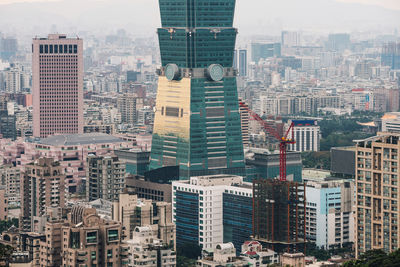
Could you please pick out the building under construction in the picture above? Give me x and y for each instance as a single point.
(278, 214)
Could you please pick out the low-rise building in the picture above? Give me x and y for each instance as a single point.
(145, 249)
(256, 255)
(147, 189)
(224, 254)
(293, 259)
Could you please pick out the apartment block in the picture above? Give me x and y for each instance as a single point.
(30, 242)
(146, 250)
(88, 240)
(3, 204)
(105, 177)
(128, 105)
(50, 248)
(329, 212)
(42, 185)
(133, 212)
(10, 177)
(377, 202)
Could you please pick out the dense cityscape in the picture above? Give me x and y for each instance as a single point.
(199, 145)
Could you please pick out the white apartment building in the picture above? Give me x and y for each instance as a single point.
(329, 212)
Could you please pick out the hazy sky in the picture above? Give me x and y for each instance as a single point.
(252, 17)
(390, 4)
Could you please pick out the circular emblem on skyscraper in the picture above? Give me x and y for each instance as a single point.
(215, 72)
(172, 72)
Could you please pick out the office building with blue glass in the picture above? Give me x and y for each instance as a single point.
(209, 210)
(197, 121)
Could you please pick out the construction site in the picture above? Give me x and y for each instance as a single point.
(278, 214)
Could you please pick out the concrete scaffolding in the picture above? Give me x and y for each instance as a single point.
(278, 214)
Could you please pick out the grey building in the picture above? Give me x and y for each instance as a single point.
(136, 160)
(343, 162)
(105, 177)
(260, 163)
(8, 127)
(148, 189)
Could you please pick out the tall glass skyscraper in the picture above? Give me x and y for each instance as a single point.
(197, 120)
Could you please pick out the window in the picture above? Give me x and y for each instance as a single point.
(112, 235)
(172, 112)
(91, 237)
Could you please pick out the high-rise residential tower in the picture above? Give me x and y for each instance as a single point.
(42, 186)
(197, 120)
(105, 177)
(377, 204)
(57, 81)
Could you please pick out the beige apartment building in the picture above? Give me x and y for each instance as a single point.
(128, 105)
(42, 186)
(84, 239)
(10, 177)
(377, 202)
(134, 212)
(3, 204)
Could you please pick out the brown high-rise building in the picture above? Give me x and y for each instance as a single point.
(57, 83)
(89, 240)
(42, 185)
(377, 172)
(50, 248)
(84, 239)
(3, 203)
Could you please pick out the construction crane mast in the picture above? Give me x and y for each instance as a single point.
(284, 141)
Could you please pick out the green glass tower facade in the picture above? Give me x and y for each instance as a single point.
(197, 121)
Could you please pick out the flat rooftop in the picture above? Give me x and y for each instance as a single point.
(79, 139)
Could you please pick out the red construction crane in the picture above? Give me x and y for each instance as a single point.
(284, 141)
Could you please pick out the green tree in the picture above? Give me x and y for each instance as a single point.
(5, 225)
(5, 252)
(376, 258)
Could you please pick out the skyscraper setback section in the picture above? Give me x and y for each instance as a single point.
(57, 67)
(197, 120)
